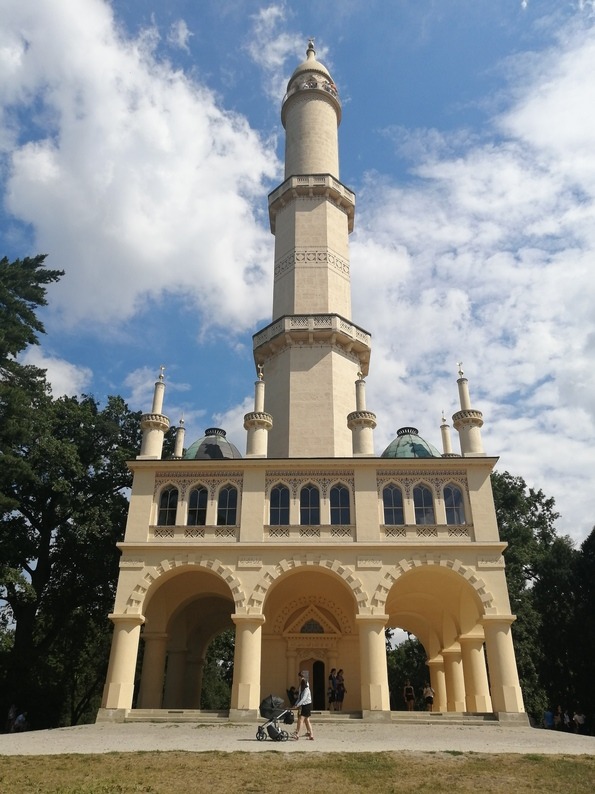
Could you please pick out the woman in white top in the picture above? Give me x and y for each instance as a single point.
(304, 704)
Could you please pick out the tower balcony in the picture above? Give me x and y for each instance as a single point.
(301, 329)
(312, 185)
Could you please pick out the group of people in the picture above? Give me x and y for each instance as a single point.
(336, 690)
(559, 719)
(409, 696)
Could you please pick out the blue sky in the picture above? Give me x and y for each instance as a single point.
(139, 140)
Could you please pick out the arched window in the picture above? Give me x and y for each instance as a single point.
(392, 497)
(279, 509)
(168, 503)
(197, 506)
(423, 503)
(227, 506)
(340, 513)
(455, 507)
(309, 505)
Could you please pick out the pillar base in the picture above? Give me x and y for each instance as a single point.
(376, 716)
(111, 715)
(512, 719)
(243, 715)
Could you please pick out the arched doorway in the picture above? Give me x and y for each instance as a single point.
(184, 612)
(310, 626)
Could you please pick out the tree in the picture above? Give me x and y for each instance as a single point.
(65, 484)
(539, 573)
(218, 671)
(406, 661)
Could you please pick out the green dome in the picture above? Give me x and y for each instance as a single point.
(409, 444)
(212, 446)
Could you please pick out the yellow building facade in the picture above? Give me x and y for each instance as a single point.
(309, 545)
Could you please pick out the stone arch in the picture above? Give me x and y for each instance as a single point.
(456, 566)
(258, 595)
(153, 573)
(345, 624)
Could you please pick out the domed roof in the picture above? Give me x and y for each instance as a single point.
(310, 65)
(409, 444)
(212, 446)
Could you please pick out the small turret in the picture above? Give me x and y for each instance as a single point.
(154, 425)
(468, 421)
(361, 422)
(179, 446)
(446, 440)
(258, 423)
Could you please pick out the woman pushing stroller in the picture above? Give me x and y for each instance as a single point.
(304, 704)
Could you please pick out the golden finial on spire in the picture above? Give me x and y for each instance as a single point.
(460, 366)
(260, 372)
(161, 372)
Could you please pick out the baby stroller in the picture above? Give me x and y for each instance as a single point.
(272, 710)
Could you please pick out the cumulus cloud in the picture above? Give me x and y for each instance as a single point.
(133, 175)
(64, 378)
(487, 255)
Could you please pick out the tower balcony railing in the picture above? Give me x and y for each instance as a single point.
(312, 185)
(311, 327)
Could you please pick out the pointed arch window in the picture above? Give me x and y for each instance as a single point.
(197, 506)
(454, 505)
(279, 506)
(340, 512)
(423, 502)
(392, 498)
(227, 506)
(311, 627)
(310, 505)
(168, 504)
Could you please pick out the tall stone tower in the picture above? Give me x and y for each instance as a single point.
(310, 546)
(311, 352)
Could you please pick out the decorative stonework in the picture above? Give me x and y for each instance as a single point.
(258, 595)
(295, 480)
(493, 562)
(151, 574)
(186, 480)
(246, 563)
(311, 257)
(434, 478)
(405, 565)
(369, 563)
(343, 621)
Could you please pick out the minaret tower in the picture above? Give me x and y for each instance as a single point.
(311, 352)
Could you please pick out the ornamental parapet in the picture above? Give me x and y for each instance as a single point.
(361, 419)
(154, 422)
(467, 417)
(312, 185)
(321, 329)
(256, 419)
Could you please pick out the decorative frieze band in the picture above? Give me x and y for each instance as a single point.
(311, 257)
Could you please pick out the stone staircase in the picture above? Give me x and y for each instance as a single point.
(205, 717)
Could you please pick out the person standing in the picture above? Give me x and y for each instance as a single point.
(340, 696)
(429, 696)
(332, 689)
(304, 704)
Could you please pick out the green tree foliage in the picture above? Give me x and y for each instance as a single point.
(22, 291)
(407, 661)
(540, 571)
(218, 672)
(63, 481)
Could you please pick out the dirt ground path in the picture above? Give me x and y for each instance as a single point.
(362, 737)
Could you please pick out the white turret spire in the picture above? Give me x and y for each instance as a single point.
(154, 425)
(468, 421)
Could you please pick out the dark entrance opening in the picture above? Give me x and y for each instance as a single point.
(318, 686)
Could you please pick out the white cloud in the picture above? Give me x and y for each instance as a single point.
(487, 256)
(134, 176)
(179, 35)
(64, 378)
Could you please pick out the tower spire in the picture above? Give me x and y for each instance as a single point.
(468, 421)
(155, 424)
(312, 351)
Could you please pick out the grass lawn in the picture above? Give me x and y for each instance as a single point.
(173, 772)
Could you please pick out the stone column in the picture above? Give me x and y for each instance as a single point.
(119, 684)
(438, 682)
(477, 688)
(455, 682)
(153, 673)
(174, 696)
(245, 691)
(506, 690)
(374, 671)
